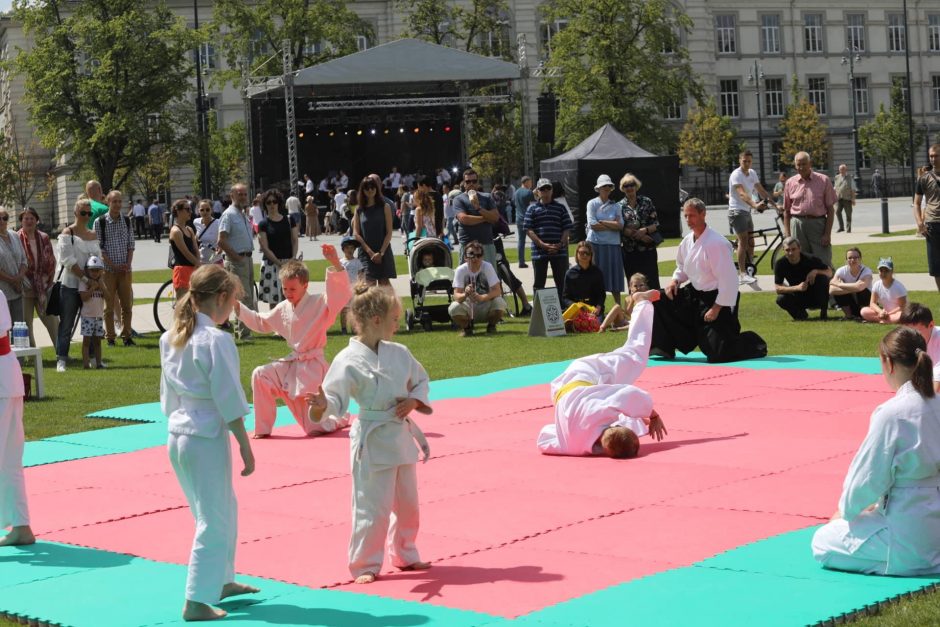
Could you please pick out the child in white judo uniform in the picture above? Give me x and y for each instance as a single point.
(388, 383)
(888, 521)
(303, 320)
(14, 510)
(597, 411)
(919, 317)
(202, 397)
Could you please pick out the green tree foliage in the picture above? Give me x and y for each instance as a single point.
(228, 159)
(495, 142)
(802, 130)
(102, 78)
(885, 138)
(621, 61)
(23, 167)
(708, 140)
(318, 30)
(475, 28)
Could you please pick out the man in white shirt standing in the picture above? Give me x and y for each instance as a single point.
(741, 186)
(702, 311)
(140, 219)
(295, 212)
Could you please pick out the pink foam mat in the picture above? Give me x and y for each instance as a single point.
(745, 458)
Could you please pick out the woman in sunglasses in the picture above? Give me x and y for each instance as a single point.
(76, 244)
(640, 222)
(372, 228)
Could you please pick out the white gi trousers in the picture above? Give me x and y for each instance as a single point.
(269, 383)
(385, 510)
(14, 511)
(203, 467)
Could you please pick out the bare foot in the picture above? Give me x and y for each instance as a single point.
(235, 588)
(367, 578)
(18, 536)
(193, 611)
(416, 566)
(260, 436)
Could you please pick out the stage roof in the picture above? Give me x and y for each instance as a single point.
(401, 66)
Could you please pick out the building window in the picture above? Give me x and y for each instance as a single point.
(547, 31)
(673, 111)
(208, 57)
(933, 32)
(935, 92)
(362, 43)
(813, 32)
(855, 32)
(212, 110)
(726, 34)
(775, 164)
(897, 38)
(816, 94)
(901, 81)
(773, 97)
(860, 89)
(728, 96)
(864, 160)
(770, 33)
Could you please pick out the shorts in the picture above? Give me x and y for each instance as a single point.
(740, 221)
(933, 248)
(92, 327)
(181, 275)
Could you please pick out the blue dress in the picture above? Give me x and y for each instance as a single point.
(372, 228)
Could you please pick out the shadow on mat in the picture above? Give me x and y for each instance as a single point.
(283, 614)
(439, 577)
(61, 555)
(656, 447)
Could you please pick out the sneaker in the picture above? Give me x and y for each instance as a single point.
(111, 342)
(523, 265)
(60, 365)
(465, 332)
(746, 279)
(101, 366)
(491, 328)
(129, 342)
(526, 311)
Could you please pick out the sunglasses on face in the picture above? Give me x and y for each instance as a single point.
(4, 218)
(84, 213)
(585, 253)
(472, 255)
(471, 181)
(628, 186)
(270, 202)
(546, 188)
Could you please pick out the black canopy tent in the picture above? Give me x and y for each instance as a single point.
(606, 151)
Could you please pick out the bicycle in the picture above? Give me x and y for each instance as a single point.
(774, 246)
(164, 304)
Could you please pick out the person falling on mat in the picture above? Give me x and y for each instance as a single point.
(597, 410)
(302, 319)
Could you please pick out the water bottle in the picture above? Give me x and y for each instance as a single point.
(20, 335)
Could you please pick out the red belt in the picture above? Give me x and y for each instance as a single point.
(5, 345)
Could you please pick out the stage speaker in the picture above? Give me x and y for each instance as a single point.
(547, 106)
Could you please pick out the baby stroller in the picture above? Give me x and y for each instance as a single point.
(436, 279)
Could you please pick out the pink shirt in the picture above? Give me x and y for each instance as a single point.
(809, 197)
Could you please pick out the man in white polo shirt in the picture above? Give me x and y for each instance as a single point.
(741, 186)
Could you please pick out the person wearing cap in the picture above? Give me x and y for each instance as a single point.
(604, 224)
(353, 268)
(475, 214)
(809, 202)
(742, 184)
(888, 296)
(40, 273)
(94, 294)
(640, 223)
(801, 282)
(548, 225)
(14, 508)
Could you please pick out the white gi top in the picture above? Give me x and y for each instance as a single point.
(11, 376)
(200, 390)
(898, 467)
(304, 327)
(707, 263)
(582, 413)
(933, 350)
(377, 381)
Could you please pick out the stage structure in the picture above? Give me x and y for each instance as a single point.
(404, 104)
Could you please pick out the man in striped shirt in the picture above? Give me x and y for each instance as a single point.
(548, 225)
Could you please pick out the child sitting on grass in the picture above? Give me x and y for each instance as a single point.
(888, 296)
(92, 290)
(619, 318)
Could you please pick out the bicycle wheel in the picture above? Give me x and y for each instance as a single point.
(777, 254)
(163, 304)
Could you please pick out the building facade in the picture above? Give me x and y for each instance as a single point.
(735, 49)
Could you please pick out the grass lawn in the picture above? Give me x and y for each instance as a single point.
(134, 373)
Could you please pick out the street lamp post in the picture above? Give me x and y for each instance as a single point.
(850, 57)
(756, 76)
(202, 118)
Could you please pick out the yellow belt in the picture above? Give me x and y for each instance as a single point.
(568, 387)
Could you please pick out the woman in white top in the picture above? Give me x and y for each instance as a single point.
(13, 267)
(888, 521)
(200, 361)
(850, 287)
(207, 232)
(888, 296)
(76, 244)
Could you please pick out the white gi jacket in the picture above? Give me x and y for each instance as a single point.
(377, 381)
(199, 390)
(898, 467)
(582, 413)
(708, 264)
(304, 328)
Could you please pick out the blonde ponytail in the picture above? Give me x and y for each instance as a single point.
(184, 321)
(206, 283)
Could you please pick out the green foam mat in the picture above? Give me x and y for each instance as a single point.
(59, 583)
(42, 452)
(123, 439)
(771, 582)
(144, 412)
